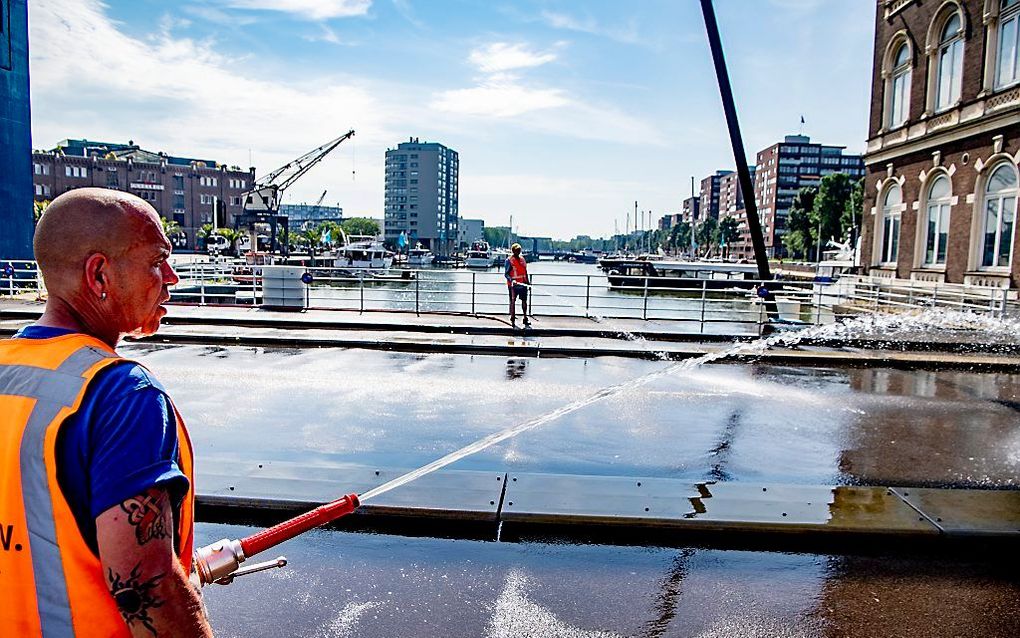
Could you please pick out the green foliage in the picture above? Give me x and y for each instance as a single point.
(850, 220)
(496, 236)
(707, 235)
(170, 227)
(360, 226)
(833, 195)
(38, 208)
(799, 231)
(680, 237)
(728, 233)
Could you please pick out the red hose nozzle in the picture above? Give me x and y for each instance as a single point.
(287, 530)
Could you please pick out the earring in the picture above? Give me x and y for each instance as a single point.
(103, 295)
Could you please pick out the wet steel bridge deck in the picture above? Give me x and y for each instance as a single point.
(514, 506)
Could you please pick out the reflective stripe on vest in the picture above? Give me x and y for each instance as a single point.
(518, 271)
(71, 594)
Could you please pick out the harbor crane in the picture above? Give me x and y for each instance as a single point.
(262, 203)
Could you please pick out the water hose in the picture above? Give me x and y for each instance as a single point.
(219, 562)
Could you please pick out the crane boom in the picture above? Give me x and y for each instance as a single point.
(264, 197)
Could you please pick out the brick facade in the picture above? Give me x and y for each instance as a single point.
(180, 192)
(964, 140)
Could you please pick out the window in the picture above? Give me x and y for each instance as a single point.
(178, 182)
(76, 171)
(950, 63)
(42, 169)
(1008, 57)
(937, 226)
(205, 199)
(1000, 217)
(207, 181)
(891, 208)
(899, 104)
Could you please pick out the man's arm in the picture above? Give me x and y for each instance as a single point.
(507, 269)
(136, 549)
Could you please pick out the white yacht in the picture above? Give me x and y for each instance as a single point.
(363, 251)
(499, 256)
(419, 256)
(479, 256)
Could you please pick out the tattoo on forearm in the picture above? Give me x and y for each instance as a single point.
(135, 597)
(147, 514)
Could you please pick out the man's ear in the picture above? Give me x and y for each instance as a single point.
(97, 270)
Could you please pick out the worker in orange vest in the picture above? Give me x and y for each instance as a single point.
(518, 282)
(97, 495)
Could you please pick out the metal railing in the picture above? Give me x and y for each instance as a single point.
(704, 304)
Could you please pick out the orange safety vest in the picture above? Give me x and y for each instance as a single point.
(518, 271)
(51, 583)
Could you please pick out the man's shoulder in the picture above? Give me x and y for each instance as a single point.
(126, 377)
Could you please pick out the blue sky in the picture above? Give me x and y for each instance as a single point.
(564, 113)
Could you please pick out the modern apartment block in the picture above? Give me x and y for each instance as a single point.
(709, 200)
(179, 188)
(944, 143)
(669, 220)
(421, 195)
(303, 216)
(691, 210)
(786, 167)
(470, 230)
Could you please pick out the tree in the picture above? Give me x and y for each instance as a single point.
(360, 226)
(170, 227)
(707, 235)
(829, 206)
(850, 221)
(680, 237)
(38, 208)
(728, 233)
(497, 236)
(799, 232)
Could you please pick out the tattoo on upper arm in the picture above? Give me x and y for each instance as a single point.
(149, 515)
(135, 597)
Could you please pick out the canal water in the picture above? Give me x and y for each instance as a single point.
(719, 422)
(561, 288)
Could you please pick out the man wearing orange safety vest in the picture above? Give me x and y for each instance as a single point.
(96, 475)
(518, 282)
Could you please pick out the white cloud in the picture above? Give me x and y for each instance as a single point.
(502, 97)
(181, 96)
(501, 56)
(625, 33)
(308, 9)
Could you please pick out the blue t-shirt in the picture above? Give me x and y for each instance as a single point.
(120, 442)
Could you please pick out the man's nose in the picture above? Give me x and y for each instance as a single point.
(170, 277)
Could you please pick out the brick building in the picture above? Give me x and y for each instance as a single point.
(691, 210)
(944, 143)
(784, 168)
(708, 202)
(179, 188)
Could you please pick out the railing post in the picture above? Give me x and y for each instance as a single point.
(417, 287)
(644, 312)
(761, 314)
(701, 324)
(935, 296)
(587, 295)
(473, 274)
(361, 281)
(1005, 301)
(201, 273)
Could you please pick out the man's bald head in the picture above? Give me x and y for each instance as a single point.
(85, 221)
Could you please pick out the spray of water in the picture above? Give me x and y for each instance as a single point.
(741, 349)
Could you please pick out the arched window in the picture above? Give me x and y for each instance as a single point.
(937, 226)
(1007, 59)
(899, 103)
(950, 63)
(891, 207)
(1000, 217)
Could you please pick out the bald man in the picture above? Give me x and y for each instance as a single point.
(96, 497)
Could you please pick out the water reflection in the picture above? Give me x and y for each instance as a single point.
(515, 368)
